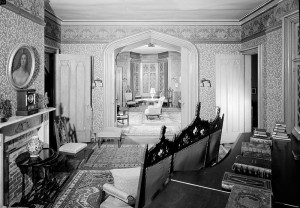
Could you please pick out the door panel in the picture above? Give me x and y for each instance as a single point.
(73, 92)
(230, 95)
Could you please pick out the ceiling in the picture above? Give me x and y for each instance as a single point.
(153, 10)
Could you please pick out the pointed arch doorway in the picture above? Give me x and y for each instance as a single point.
(189, 72)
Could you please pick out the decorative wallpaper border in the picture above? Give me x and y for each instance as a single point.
(268, 19)
(30, 9)
(72, 34)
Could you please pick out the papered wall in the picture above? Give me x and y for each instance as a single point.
(273, 103)
(15, 30)
(207, 62)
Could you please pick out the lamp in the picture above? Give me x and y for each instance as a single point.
(203, 80)
(152, 92)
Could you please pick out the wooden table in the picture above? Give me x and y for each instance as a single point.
(208, 181)
(40, 193)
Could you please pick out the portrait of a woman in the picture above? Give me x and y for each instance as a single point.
(21, 66)
(21, 74)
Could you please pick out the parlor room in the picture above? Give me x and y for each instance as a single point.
(173, 104)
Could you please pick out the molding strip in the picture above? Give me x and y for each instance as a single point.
(23, 13)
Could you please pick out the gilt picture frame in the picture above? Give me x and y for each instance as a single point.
(21, 66)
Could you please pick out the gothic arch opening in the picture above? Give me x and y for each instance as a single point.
(189, 72)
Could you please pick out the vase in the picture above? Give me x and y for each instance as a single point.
(34, 146)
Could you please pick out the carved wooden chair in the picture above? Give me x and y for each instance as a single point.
(190, 145)
(214, 139)
(156, 171)
(66, 139)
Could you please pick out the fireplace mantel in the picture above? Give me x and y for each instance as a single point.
(14, 128)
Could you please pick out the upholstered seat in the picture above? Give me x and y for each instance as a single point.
(72, 148)
(123, 192)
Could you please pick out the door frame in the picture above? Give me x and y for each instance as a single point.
(189, 72)
(247, 55)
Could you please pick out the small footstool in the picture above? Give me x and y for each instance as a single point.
(109, 132)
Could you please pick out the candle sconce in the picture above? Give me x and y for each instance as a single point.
(203, 81)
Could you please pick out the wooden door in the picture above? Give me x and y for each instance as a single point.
(231, 95)
(73, 92)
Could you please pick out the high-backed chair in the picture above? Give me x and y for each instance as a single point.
(155, 172)
(66, 139)
(156, 109)
(216, 127)
(190, 145)
(129, 100)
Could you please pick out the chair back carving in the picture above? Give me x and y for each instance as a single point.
(197, 130)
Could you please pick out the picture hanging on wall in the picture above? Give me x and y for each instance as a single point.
(20, 67)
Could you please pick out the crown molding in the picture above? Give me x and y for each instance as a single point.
(259, 10)
(164, 23)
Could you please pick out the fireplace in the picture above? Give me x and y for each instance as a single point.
(14, 136)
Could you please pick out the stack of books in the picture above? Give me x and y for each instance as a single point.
(253, 166)
(260, 132)
(246, 196)
(231, 179)
(279, 131)
(261, 136)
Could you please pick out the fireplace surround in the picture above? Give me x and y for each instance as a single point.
(14, 136)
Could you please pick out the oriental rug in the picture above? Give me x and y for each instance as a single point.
(109, 156)
(84, 189)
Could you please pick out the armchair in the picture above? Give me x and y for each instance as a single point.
(125, 188)
(155, 110)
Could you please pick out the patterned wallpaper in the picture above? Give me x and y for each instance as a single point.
(15, 30)
(273, 103)
(105, 34)
(273, 80)
(269, 19)
(95, 50)
(207, 65)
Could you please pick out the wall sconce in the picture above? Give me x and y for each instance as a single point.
(203, 80)
(97, 82)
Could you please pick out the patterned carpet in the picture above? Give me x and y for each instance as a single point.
(83, 190)
(109, 156)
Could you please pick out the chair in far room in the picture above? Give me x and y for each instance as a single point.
(129, 100)
(156, 109)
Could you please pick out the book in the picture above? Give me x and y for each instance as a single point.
(249, 197)
(253, 166)
(231, 179)
(258, 155)
(264, 140)
(281, 124)
(255, 147)
(260, 132)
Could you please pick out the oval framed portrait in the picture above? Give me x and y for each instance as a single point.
(20, 67)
